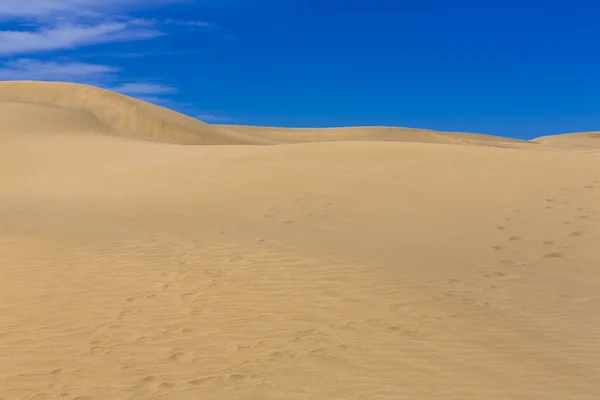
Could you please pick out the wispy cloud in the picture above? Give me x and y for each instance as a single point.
(144, 89)
(70, 36)
(31, 27)
(28, 69)
(195, 24)
(99, 75)
(212, 118)
(47, 9)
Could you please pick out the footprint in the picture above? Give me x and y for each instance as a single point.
(518, 211)
(166, 385)
(589, 187)
(557, 254)
(515, 238)
(576, 233)
(178, 356)
(550, 200)
(497, 247)
(501, 228)
(548, 242)
(204, 381)
(237, 377)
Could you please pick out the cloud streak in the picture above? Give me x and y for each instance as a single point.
(28, 69)
(212, 118)
(32, 27)
(71, 36)
(144, 89)
(46, 9)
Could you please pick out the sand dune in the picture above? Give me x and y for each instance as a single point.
(66, 107)
(29, 107)
(346, 270)
(371, 133)
(586, 140)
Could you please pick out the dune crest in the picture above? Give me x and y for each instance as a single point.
(371, 133)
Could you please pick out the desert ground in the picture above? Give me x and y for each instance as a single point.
(147, 255)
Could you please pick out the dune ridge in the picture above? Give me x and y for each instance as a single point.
(370, 133)
(58, 107)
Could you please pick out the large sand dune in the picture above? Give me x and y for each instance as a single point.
(69, 108)
(347, 270)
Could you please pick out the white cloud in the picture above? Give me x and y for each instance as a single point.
(44, 26)
(144, 89)
(71, 36)
(212, 118)
(28, 69)
(195, 24)
(46, 9)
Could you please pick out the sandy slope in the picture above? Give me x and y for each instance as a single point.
(360, 270)
(371, 133)
(64, 107)
(584, 140)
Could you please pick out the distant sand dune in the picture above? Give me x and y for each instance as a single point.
(588, 140)
(370, 133)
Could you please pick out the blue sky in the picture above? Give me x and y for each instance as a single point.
(512, 68)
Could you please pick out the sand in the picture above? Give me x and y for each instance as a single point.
(338, 269)
(583, 140)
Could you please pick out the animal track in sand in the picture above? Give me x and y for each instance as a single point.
(577, 233)
(499, 274)
(206, 380)
(166, 385)
(557, 254)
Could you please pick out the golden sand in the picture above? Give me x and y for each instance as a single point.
(372, 263)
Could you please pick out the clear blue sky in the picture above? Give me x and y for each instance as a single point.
(512, 68)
